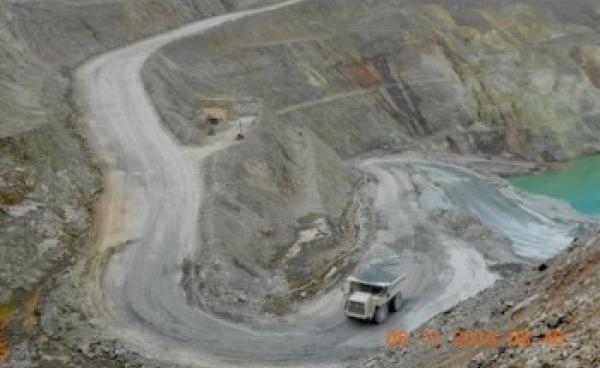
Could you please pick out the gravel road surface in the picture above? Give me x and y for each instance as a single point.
(153, 194)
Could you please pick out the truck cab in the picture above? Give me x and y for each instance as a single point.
(372, 301)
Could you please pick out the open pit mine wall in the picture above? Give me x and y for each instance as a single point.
(337, 78)
(48, 181)
(494, 77)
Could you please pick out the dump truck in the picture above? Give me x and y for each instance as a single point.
(372, 300)
(373, 290)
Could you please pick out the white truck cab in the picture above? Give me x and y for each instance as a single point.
(372, 301)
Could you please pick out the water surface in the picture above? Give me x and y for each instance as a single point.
(577, 182)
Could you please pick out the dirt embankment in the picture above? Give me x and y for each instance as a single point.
(48, 179)
(457, 75)
(335, 81)
(544, 316)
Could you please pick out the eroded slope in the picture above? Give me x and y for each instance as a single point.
(48, 179)
(511, 79)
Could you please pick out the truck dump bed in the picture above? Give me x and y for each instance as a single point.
(383, 267)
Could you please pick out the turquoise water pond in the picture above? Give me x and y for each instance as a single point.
(578, 183)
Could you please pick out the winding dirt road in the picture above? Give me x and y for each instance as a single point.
(154, 189)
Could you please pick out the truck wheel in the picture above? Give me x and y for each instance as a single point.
(395, 303)
(381, 314)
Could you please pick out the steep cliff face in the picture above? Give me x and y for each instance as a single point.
(497, 78)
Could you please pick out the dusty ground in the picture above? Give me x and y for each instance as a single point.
(562, 297)
(49, 181)
(324, 82)
(339, 86)
(145, 312)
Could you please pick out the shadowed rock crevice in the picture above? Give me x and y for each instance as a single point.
(405, 102)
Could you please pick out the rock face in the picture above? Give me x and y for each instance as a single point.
(48, 181)
(281, 187)
(48, 178)
(518, 78)
(554, 309)
(333, 79)
(336, 79)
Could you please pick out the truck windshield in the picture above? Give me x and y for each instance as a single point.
(371, 289)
